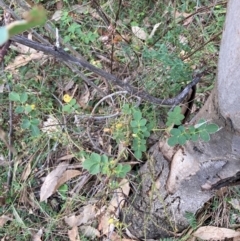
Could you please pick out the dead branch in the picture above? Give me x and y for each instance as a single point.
(63, 56)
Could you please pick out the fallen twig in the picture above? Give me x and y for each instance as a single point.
(65, 57)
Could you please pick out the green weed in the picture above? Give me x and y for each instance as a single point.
(183, 134)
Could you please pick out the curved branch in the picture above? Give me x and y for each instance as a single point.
(65, 57)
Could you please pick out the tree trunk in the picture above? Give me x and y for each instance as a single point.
(174, 182)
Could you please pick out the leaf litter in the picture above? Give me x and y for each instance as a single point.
(109, 217)
(51, 181)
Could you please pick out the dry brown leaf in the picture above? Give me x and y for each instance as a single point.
(23, 197)
(73, 220)
(106, 224)
(51, 181)
(87, 214)
(4, 219)
(69, 85)
(67, 175)
(89, 232)
(139, 32)
(215, 233)
(51, 126)
(129, 234)
(73, 234)
(84, 98)
(119, 196)
(37, 236)
(3, 161)
(26, 172)
(57, 15)
(59, 4)
(22, 60)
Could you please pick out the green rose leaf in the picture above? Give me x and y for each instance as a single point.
(138, 154)
(28, 109)
(204, 136)
(72, 102)
(142, 122)
(201, 124)
(13, 96)
(26, 124)
(175, 117)
(175, 132)
(134, 124)
(35, 122)
(19, 109)
(194, 137)
(23, 97)
(212, 128)
(66, 108)
(137, 115)
(172, 141)
(122, 170)
(182, 140)
(35, 130)
(146, 133)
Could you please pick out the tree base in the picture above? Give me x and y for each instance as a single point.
(171, 186)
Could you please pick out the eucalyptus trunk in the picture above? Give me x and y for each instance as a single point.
(174, 182)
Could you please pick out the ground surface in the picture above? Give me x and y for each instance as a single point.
(79, 140)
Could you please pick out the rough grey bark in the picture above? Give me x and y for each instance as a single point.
(228, 67)
(179, 180)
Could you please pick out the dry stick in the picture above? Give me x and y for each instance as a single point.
(65, 57)
(10, 153)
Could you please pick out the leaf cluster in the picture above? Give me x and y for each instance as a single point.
(175, 117)
(182, 134)
(70, 107)
(133, 129)
(101, 164)
(140, 132)
(28, 120)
